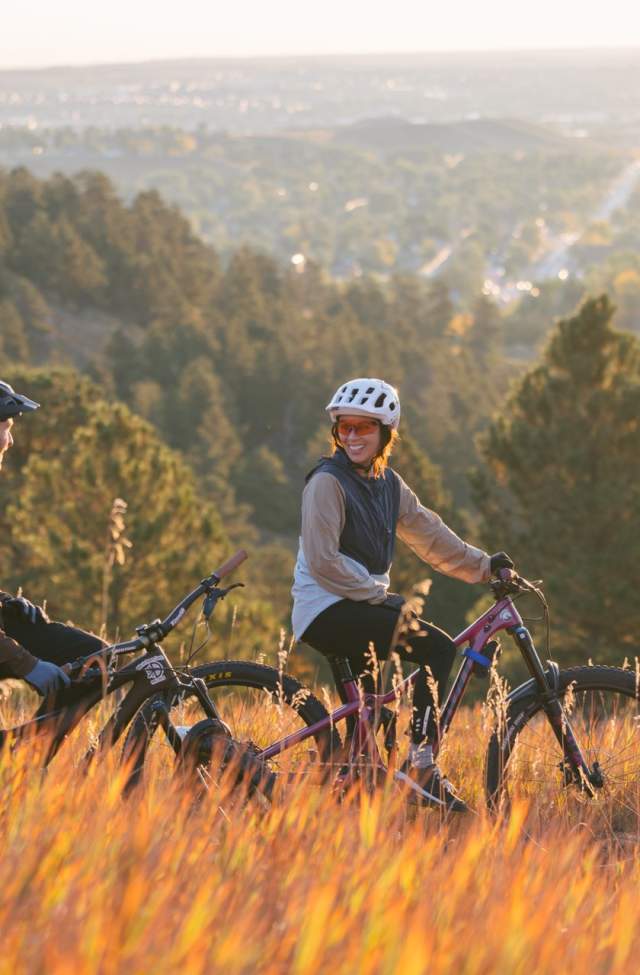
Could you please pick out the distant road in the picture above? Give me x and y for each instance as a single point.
(620, 191)
(431, 268)
(556, 258)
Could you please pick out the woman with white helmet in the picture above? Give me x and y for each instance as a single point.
(353, 506)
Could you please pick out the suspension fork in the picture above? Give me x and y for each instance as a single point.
(160, 710)
(556, 714)
(202, 693)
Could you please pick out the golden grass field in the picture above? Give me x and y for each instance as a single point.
(90, 882)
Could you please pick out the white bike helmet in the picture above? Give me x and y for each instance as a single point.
(367, 397)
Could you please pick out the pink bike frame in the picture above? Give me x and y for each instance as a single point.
(501, 616)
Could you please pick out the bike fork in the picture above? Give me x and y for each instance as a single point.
(574, 765)
(176, 733)
(202, 693)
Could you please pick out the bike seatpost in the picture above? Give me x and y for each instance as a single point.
(345, 681)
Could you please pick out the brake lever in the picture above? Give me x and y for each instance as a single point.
(78, 670)
(214, 595)
(236, 585)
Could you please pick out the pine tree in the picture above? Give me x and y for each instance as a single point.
(70, 460)
(14, 345)
(425, 480)
(561, 485)
(78, 274)
(448, 599)
(62, 510)
(485, 338)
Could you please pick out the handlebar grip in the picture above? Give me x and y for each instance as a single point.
(231, 564)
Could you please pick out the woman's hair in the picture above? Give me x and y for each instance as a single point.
(388, 440)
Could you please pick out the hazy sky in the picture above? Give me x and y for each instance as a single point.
(47, 32)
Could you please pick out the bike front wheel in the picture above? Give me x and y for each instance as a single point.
(259, 704)
(525, 759)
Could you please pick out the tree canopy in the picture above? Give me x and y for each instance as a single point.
(560, 487)
(212, 374)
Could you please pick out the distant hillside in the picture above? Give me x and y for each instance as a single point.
(578, 89)
(383, 195)
(395, 135)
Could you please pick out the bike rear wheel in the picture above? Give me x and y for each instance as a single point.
(525, 759)
(259, 704)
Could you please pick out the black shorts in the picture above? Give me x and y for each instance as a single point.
(347, 628)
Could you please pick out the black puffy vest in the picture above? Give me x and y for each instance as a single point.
(371, 516)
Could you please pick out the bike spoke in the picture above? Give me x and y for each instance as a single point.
(606, 728)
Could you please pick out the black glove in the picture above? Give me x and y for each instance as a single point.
(500, 561)
(27, 611)
(394, 601)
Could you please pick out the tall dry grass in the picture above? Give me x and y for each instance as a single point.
(92, 883)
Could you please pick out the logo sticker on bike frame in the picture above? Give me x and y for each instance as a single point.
(154, 669)
(175, 619)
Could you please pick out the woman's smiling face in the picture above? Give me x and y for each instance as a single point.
(360, 437)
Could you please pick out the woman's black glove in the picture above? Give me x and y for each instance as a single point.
(394, 601)
(500, 561)
(27, 611)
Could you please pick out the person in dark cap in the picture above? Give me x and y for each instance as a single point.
(32, 647)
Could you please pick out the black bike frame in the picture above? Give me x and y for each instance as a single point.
(145, 677)
(147, 674)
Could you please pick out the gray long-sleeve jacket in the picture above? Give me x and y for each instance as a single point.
(323, 575)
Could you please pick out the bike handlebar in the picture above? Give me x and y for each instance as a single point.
(231, 564)
(159, 629)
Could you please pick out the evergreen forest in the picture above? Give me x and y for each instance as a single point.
(190, 382)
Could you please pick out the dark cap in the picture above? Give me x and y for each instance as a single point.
(13, 404)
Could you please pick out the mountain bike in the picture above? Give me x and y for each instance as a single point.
(563, 732)
(96, 677)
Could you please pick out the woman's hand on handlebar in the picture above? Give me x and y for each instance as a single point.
(499, 562)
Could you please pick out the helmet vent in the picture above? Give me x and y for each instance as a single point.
(354, 393)
(380, 400)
